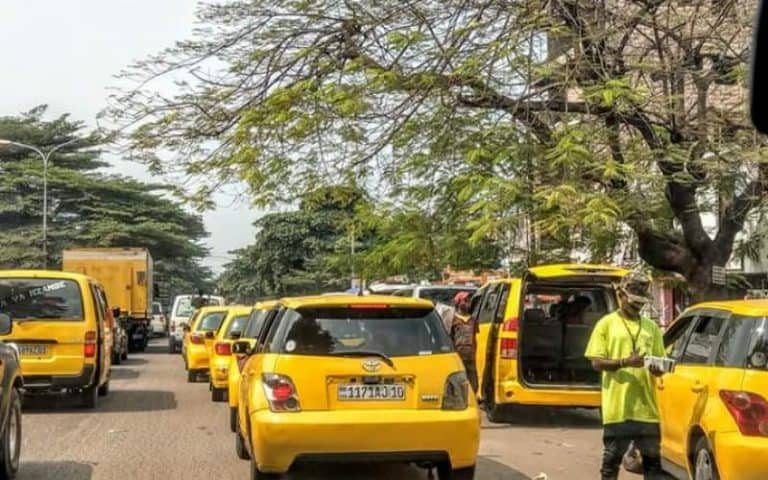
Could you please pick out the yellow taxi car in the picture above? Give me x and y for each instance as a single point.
(198, 340)
(221, 353)
(251, 332)
(533, 332)
(62, 330)
(714, 405)
(352, 378)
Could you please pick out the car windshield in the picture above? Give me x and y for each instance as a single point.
(236, 325)
(184, 308)
(211, 322)
(156, 309)
(40, 298)
(442, 295)
(394, 332)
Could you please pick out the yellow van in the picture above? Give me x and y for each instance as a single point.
(218, 369)
(62, 331)
(533, 334)
(198, 340)
(253, 329)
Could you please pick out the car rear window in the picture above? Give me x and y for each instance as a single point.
(211, 322)
(156, 309)
(40, 298)
(443, 295)
(744, 343)
(255, 323)
(236, 325)
(395, 332)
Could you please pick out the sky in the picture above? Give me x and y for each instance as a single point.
(65, 54)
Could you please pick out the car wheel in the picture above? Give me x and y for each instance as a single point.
(705, 467)
(89, 397)
(233, 419)
(256, 474)
(191, 376)
(445, 472)
(124, 355)
(104, 389)
(242, 452)
(116, 359)
(11, 442)
(171, 346)
(219, 394)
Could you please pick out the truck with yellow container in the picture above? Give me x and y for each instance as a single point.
(127, 276)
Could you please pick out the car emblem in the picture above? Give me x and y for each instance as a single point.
(371, 365)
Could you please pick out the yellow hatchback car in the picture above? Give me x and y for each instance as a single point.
(714, 405)
(220, 355)
(198, 340)
(357, 378)
(251, 332)
(63, 332)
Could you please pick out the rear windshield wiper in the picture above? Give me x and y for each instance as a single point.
(366, 353)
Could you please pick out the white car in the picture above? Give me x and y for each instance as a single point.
(158, 325)
(436, 293)
(181, 312)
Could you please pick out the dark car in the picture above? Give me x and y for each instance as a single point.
(11, 384)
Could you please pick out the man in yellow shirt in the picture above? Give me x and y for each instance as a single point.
(617, 348)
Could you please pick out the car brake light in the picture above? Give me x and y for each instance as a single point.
(89, 348)
(223, 348)
(280, 392)
(508, 348)
(749, 410)
(456, 392)
(510, 325)
(197, 339)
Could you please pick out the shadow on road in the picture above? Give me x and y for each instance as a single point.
(131, 361)
(157, 348)
(545, 417)
(118, 401)
(59, 470)
(118, 373)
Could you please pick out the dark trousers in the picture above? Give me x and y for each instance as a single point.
(471, 369)
(616, 440)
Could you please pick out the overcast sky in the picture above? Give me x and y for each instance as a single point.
(64, 53)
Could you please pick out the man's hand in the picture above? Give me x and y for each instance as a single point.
(656, 371)
(635, 360)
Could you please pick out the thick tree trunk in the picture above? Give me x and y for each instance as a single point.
(699, 278)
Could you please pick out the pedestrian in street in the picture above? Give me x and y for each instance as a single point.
(463, 330)
(617, 348)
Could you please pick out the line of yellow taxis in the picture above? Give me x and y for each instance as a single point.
(374, 378)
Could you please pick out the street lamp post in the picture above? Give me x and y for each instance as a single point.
(45, 156)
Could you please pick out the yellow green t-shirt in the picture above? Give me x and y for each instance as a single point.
(628, 392)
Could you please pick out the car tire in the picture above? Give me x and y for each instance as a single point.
(11, 441)
(124, 355)
(218, 394)
(116, 359)
(256, 474)
(704, 465)
(171, 346)
(89, 397)
(191, 376)
(233, 419)
(240, 450)
(445, 472)
(104, 389)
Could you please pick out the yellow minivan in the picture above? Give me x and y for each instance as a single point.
(198, 340)
(714, 404)
(253, 329)
(348, 378)
(62, 331)
(533, 334)
(221, 353)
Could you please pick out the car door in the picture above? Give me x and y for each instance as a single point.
(104, 333)
(683, 393)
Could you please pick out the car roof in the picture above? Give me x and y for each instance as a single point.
(753, 308)
(52, 274)
(236, 309)
(266, 304)
(216, 308)
(574, 269)
(344, 300)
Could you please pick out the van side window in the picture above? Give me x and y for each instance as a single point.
(97, 305)
(502, 304)
(488, 308)
(704, 339)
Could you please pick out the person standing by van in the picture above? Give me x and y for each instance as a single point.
(463, 330)
(617, 348)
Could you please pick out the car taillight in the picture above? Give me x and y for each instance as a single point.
(508, 348)
(89, 348)
(510, 325)
(749, 410)
(223, 348)
(456, 393)
(280, 392)
(197, 339)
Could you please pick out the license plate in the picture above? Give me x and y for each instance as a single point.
(33, 350)
(395, 391)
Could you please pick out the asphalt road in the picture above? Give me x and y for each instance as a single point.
(155, 425)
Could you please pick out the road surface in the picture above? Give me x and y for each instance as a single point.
(155, 425)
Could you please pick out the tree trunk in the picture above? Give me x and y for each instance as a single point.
(699, 278)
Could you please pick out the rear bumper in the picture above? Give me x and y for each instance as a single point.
(280, 439)
(741, 457)
(43, 383)
(513, 392)
(197, 357)
(219, 372)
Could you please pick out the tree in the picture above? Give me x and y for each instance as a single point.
(580, 118)
(87, 208)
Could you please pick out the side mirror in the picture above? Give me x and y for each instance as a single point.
(6, 325)
(759, 75)
(210, 334)
(235, 335)
(116, 312)
(241, 348)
